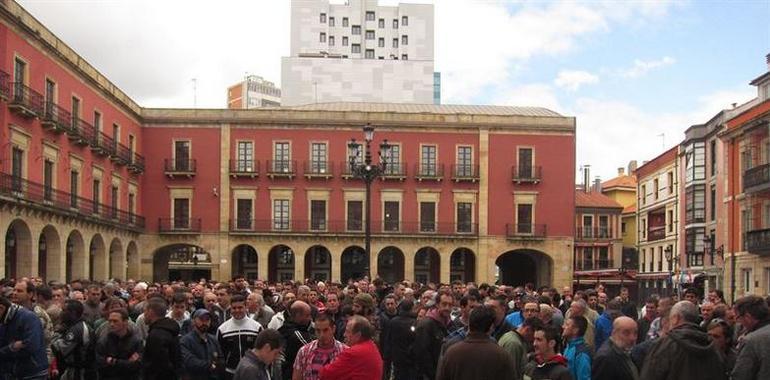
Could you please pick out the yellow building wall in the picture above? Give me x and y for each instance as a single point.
(629, 237)
(625, 198)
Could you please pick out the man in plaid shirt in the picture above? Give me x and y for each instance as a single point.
(314, 355)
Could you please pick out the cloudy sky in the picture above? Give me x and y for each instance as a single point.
(636, 74)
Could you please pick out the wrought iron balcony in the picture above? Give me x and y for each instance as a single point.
(757, 241)
(462, 172)
(526, 231)
(102, 144)
(55, 118)
(281, 168)
(244, 168)
(47, 198)
(80, 132)
(429, 172)
(394, 171)
(656, 233)
(25, 101)
(122, 155)
(526, 174)
(137, 164)
(179, 225)
(318, 169)
(379, 227)
(593, 233)
(174, 167)
(756, 178)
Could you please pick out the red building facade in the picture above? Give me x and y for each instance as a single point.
(472, 193)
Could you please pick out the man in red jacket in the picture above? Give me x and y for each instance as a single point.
(362, 361)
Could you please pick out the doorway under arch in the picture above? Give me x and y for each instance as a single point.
(49, 254)
(245, 262)
(318, 263)
(75, 260)
(184, 262)
(521, 266)
(355, 264)
(462, 265)
(427, 265)
(280, 262)
(18, 250)
(390, 264)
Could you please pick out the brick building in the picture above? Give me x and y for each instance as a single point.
(475, 193)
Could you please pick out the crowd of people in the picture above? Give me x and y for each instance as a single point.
(371, 330)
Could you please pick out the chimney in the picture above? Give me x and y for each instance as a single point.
(767, 58)
(587, 178)
(621, 171)
(597, 185)
(631, 167)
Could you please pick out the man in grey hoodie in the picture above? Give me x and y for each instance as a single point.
(753, 360)
(257, 364)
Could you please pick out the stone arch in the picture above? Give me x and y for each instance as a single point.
(280, 262)
(462, 265)
(520, 266)
(390, 264)
(75, 262)
(117, 260)
(132, 261)
(97, 258)
(318, 263)
(18, 250)
(245, 261)
(49, 254)
(427, 265)
(181, 261)
(355, 264)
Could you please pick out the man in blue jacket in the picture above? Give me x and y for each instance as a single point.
(201, 356)
(577, 352)
(22, 347)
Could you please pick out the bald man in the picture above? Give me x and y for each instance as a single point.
(612, 361)
(296, 332)
(686, 352)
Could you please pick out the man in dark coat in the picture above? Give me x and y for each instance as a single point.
(429, 334)
(400, 341)
(161, 350)
(201, 354)
(118, 352)
(612, 361)
(686, 352)
(296, 332)
(477, 357)
(22, 346)
(74, 344)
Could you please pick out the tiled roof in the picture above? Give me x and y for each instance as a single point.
(620, 181)
(450, 109)
(630, 209)
(595, 200)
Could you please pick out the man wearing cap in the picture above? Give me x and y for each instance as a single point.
(200, 349)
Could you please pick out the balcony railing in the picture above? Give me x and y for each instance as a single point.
(66, 203)
(594, 265)
(281, 168)
(526, 174)
(26, 101)
(593, 233)
(103, 144)
(5, 85)
(318, 169)
(656, 233)
(137, 164)
(56, 118)
(757, 241)
(179, 225)
(756, 178)
(429, 172)
(122, 155)
(351, 227)
(174, 167)
(462, 172)
(394, 171)
(80, 132)
(244, 168)
(526, 231)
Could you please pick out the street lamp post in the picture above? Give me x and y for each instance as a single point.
(368, 173)
(708, 244)
(670, 258)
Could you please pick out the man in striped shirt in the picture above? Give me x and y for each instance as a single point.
(318, 353)
(237, 335)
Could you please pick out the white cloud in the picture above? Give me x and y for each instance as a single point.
(573, 79)
(610, 133)
(642, 67)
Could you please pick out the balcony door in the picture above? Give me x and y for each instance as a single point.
(181, 213)
(391, 219)
(182, 156)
